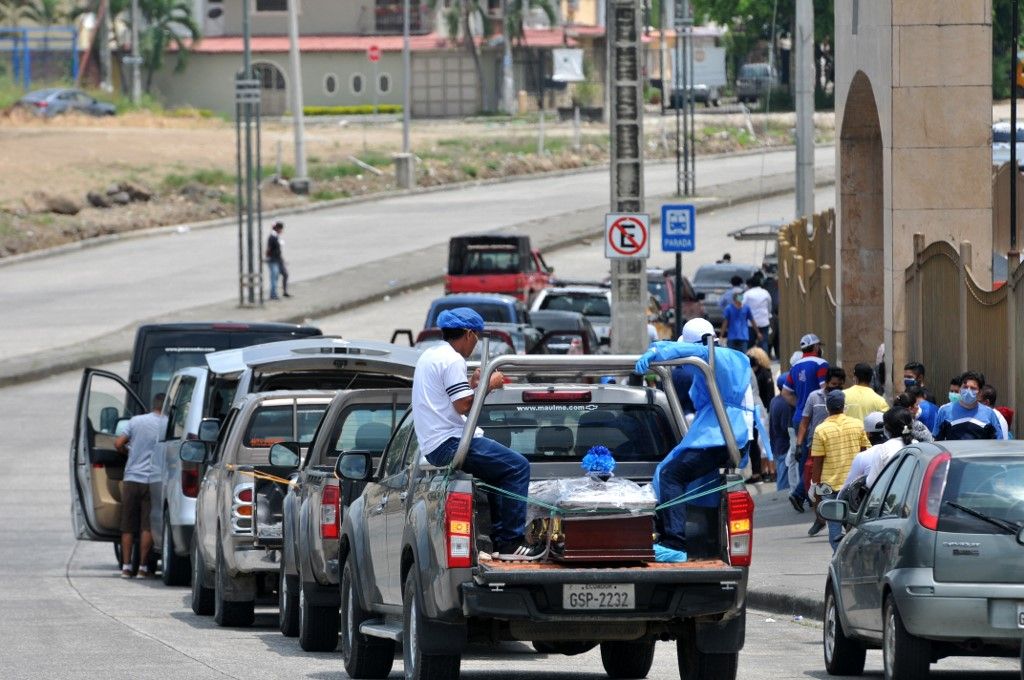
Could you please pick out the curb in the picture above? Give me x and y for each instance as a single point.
(782, 604)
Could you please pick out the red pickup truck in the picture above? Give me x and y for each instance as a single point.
(489, 263)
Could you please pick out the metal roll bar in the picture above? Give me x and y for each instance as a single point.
(601, 364)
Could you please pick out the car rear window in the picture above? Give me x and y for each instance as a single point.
(554, 432)
(365, 428)
(272, 424)
(587, 304)
(501, 261)
(719, 276)
(992, 486)
(490, 311)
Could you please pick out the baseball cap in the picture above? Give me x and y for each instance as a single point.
(809, 340)
(460, 317)
(695, 330)
(835, 400)
(873, 422)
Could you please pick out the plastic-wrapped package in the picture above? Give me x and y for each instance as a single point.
(580, 495)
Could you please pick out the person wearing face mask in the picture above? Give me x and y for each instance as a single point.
(908, 400)
(954, 389)
(913, 375)
(967, 418)
(924, 410)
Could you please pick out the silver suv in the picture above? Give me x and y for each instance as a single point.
(755, 80)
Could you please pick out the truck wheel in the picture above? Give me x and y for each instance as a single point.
(420, 666)
(202, 597)
(627, 659)
(697, 665)
(318, 626)
(175, 571)
(843, 656)
(225, 613)
(904, 656)
(288, 604)
(366, 657)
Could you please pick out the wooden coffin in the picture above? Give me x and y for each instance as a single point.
(604, 538)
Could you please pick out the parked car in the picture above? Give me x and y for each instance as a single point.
(712, 280)
(499, 342)
(661, 283)
(235, 548)
(754, 81)
(565, 325)
(313, 505)
(53, 101)
(494, 308)
(496, 263)
(593, 302)
(414, 545)
(708, 95)
(203, 392)
(931, 565)
(1001, 143)
(96, 469)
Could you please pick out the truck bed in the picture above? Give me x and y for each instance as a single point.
(704, 570)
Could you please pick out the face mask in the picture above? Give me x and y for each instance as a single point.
(954, 397)
(909, 382)
(968, 396)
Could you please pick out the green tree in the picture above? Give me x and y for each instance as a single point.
(12, 12)
(516, 13)
(165, 23)
(46, 13)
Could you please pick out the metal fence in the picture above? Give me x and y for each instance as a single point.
(807, 284)
(30, 55)
(953, 324)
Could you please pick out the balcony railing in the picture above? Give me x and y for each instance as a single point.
(389, 17)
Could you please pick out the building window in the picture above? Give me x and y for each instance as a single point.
(357, 83)
(384, 83)
(271, 5)
(330, 83)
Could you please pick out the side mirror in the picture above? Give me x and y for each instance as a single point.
(285, 454)
(835, 511)
(121, 426)
(209, 428)
(356, 466)
(193, 451)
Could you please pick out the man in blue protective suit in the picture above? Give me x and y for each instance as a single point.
(702, 451)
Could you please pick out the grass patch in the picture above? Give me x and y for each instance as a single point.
(328, 194)
(357, 110)
(207, 177)
(470, 170)
(287, 170)
(323, 173)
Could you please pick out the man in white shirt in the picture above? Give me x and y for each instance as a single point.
(441, 398)
(760, 302)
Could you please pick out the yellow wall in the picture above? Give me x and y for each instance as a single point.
(582, 12)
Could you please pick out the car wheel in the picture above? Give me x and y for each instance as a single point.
(697, 665)
(904, 656)
(365, 656)
(318, 626)
(420, 666)
(288, 604)
(202, 597)
(175, 570)
(627, 659)
(843, 655)
(226, 613)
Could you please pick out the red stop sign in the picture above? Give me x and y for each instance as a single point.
(373, 53)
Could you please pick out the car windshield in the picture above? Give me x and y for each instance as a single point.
(273, 424)
(587, 304)
(659, 289)
(491, 312)
(991, 486)
(365, 427)
(552, 432)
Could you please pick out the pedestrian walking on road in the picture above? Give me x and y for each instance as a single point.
(275, 261)
(860, 398)
(967, 418)
(780, 419)
(814, 414)
(736, 324)
(988, 396)
(736, 286)
(139, 443)
(760, 302)
(913, 375)
(912, 401)
(441, 398)
(807, 373)
(923, 410)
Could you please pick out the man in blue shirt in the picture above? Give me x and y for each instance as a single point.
(805, 376)
(967, 418)
(736, 324)
(780, 416)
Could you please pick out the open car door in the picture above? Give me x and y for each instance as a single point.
(97, 469)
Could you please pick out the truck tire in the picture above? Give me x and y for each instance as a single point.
(843, 655)
(202, 597)
(175, 570)
(697, 665)
(420, 666)
(229, 614)
(904, 656)
(627, 660)
(366, 657)
(318, 626)
(288, 604)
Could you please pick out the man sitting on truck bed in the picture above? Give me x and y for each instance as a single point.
(441, 398)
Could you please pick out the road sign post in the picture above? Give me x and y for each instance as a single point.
(678, 232)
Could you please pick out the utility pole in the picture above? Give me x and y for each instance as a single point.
(804, 86)
(405, 162)
(1014, 170)
(135, 60)
(299, 183)
(247, 163)
(508, 101)
(625, 80)
(103, 31)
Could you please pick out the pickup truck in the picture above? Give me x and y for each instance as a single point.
(313, 504)
(235, 548)
(417, 568)
(496, 263)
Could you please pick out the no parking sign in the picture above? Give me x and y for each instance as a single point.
(627, 235)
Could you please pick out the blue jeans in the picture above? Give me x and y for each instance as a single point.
(675, 476)
(277, 270)
(798, 483)
(498, 466)
(740, 345)
(765, 333)
(835, 529)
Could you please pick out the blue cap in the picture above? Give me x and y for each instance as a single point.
(460, 317)
(781, 380)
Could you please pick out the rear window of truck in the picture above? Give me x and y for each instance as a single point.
(992, 486)
(586, 304)
(365, 428)
(272, 424)
(491, 312)
(558, 432)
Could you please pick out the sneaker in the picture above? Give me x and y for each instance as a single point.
(520, 552)
(816, 528)
(287, 294)
(797, 503)
(126, 573)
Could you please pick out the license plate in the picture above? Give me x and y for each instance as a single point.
(598, 596)
(1020, 614)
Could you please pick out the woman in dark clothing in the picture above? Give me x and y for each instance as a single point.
(762, 367)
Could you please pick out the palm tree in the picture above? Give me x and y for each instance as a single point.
(515, 16)
(11, 12)
(165, 22)
(46, 13)
(461, 13)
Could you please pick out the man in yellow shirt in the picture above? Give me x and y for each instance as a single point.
(837, 441)
(861, 399)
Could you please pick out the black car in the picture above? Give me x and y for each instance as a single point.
(713, 280)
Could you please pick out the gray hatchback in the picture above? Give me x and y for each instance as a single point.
(933, 561)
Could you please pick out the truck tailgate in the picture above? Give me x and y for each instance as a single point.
(696, 571)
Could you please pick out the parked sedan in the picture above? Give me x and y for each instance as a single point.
(712, 280)
(593, 302)
(933, 561)
(754, 81)
(53, 101)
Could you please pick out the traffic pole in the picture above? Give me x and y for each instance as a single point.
(300, 182)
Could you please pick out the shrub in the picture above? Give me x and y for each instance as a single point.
(356, 110)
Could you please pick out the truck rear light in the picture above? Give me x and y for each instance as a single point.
(740, 508)
(241, 510)
(190, 482)
(458, 529)
(932, 486)
(330, 512)
(556, 396)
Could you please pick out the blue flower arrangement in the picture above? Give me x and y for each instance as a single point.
(598, 461)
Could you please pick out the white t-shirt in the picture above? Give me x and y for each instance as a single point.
(143, 433)
(439, 381)
(760, 302)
